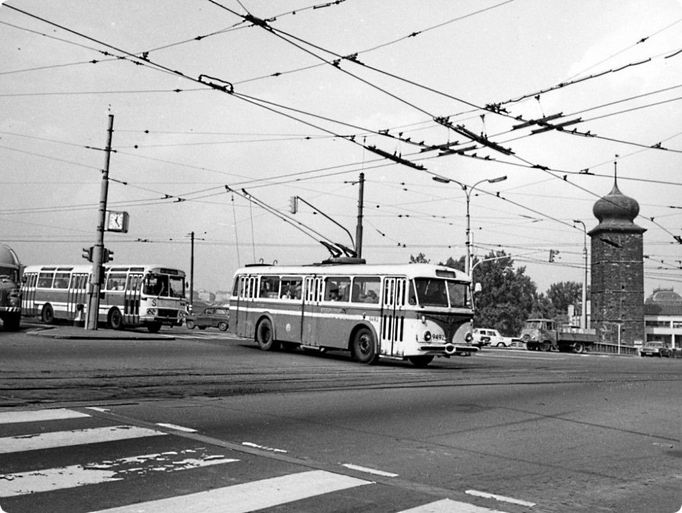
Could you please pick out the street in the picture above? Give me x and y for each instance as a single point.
(141, 422)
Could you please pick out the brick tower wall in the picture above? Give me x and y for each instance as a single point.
(618, 286)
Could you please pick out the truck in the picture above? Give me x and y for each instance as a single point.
(548, 335)
(10, 288)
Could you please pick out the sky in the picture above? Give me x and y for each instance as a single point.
(213, 98)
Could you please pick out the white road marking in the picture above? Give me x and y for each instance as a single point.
(13, 417)
(247, 497)
(75, 437)
(176, 427)
(369, 470)
(501, 498)
(449, 506)
(96, 408)
(72, 476)
(263, 448)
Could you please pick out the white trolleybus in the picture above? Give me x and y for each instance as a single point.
(409, 312)
(130, 295)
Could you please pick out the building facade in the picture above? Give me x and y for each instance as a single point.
(663, 317)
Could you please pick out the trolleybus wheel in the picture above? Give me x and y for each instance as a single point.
(12, 322)
(222, 326)
(47, 314)
(264, 336)
(579, 347)
(115, 319)
(421, 361)
(363, 347)
(153, 327)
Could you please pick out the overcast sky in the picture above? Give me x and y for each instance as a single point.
(288, 121)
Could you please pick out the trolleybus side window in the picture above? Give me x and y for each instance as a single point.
(291, 287)
(116, 281)
(366, 289)
(269, 286)
(61, 280)
(337, 288)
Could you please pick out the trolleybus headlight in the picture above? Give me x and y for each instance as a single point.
(423, 319)
(469, 337)
(427, 336)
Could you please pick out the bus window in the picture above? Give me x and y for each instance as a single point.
(176, 286)
(116, 281)
(366, 290)
(154, 285)
(134, 281)
(291, 287)
(431, 292)
(45, 279)
(61, 280)
(235, 288)
(269, 287)
(458, 294)
(337, 289)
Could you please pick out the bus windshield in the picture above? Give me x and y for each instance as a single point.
(164, 285)
(440, 292)
(9, 273)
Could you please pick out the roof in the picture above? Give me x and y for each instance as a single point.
(663, 302)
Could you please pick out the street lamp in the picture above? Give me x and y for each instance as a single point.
(583, 317)
(467, 191)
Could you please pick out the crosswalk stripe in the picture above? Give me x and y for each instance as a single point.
(14, 417)
(449, 506)
(34, 442)
(251, 496)
(72, 476)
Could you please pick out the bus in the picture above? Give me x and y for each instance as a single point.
(401, 311)
(130, 295)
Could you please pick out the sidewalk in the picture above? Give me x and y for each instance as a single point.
(75, 332)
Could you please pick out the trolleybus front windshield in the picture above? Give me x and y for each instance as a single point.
(441, 293)
(164, 285)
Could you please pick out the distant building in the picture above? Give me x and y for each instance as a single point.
(617, 270)
(663, 317)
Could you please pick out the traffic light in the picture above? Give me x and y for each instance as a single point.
(293, 204)
(87, 253)
(107, 256)
(552, 254)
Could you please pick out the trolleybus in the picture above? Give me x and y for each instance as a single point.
(405, 311)
(130, 295)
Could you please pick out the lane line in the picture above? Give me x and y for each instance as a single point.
(251, 496)
(176, 427)
(501, 498)
(14, 417)
(72, 476)
(369, 470)
(263, 447)
(449, 506)
(39, 441)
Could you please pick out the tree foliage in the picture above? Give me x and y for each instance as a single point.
(419, 259)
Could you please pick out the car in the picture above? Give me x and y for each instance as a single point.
(210, 317)
(491, 337)
(655, 348)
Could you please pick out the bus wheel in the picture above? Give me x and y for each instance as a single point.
(264, 336)
(421, 361)
(363, 347)
(579, 347)
(154, 327)
(115, 319)
(47, 314)
(12, 322)
(190, 325)
(222, 326)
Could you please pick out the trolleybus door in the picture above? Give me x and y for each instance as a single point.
(393, 299)
(246, 317)
(131, 299)
(28, 294)
(77, 296)
(313, 292)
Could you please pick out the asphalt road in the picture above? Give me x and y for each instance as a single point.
(502, 430)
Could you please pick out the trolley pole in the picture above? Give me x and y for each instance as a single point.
(98, 248)
(358, 228)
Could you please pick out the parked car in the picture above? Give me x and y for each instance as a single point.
(211, 317)
(491, 337)
(654, 348)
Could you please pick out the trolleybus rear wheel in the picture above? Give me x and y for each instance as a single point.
(47, 314)
(264, 336)
(115, 319)
(363, 347)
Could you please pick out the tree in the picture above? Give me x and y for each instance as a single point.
(419, 259)
(507, 295)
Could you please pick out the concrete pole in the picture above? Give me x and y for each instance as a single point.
(98, 249)
(358, 228)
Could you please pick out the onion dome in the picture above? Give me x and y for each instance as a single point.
(8, 258)
(616, 212)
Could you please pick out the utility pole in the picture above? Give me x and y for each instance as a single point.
(98, 248)
(191, 272)
(358, 228)
(583, 317)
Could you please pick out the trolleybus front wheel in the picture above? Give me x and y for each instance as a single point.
(153, 327)
(421, 361)
(363, 347)
(265, 336)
